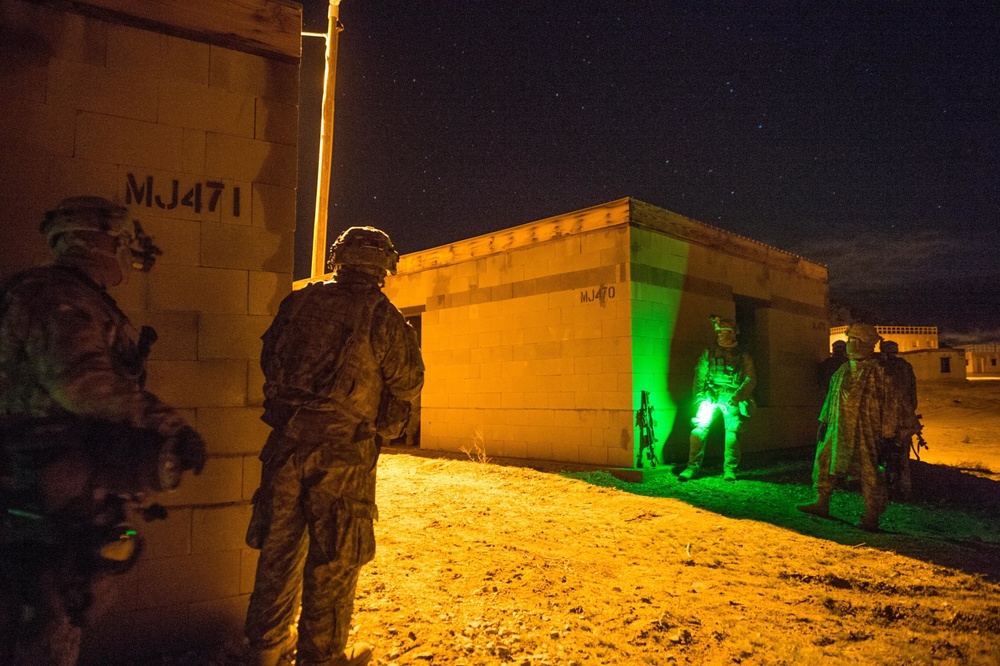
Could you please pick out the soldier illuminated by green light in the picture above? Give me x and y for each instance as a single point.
(724, 382)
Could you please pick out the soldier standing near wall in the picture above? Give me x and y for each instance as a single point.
(724, 381)
(897, 449)
(80, 436)
(340, 365)
(859, 414)
(831, 364)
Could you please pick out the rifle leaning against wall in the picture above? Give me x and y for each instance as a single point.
(644, 419)
(919, 442)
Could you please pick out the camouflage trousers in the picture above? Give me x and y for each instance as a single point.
(897, 467)
(865, 463)
(320, 535)
(699, 432)
(36, 627)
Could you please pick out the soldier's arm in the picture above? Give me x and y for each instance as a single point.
(269, 361)
(701, 377)
(749, 380)
(831, 393)
(396, 345)
(71, 348)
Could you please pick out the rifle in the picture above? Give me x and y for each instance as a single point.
(920, 442)
(644, 419)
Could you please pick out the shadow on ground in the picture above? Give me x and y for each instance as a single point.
(951, 519)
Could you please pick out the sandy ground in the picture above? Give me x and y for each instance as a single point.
(962, 427)
(480, 563)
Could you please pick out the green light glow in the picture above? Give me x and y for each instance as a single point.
(658, 272)
(706, 411)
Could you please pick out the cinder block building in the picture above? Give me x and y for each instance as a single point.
(539, 339)
(190, 119)
(981, 359)
(937, 364)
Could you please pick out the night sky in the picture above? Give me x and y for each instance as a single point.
(863, 136)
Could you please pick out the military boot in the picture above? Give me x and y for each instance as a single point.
(821, 507)
(689, 473)
(358, 654)
(273, 656)
(869, 522)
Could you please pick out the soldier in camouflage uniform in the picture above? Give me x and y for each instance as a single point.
(831, 364)
(904, 388)
(79, 436)
(340, 365)
(724, 381)
(860, 413)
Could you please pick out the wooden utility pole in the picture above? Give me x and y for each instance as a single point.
(326, 142)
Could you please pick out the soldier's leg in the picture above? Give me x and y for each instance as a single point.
(873, 486)
(734, 424)
(341, 507)
(699, 431)
(328, 603)
(823, 481)
(278, 583)
(905, 484)
(53, 640)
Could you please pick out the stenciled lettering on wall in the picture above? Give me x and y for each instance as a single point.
(201, 197)
(601, 294)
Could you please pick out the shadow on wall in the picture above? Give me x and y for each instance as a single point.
(278, 218)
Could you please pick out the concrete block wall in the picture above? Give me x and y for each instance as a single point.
(675, 287)
(199, 141)
(678, 283)
(528, 350)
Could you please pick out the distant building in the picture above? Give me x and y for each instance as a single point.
(937, 364)
(981, 360)
(908, 338)
(538, 339)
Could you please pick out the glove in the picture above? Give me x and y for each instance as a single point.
(189, 448)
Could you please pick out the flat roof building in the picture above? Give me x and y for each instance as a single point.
(981, 359)
(539, 339)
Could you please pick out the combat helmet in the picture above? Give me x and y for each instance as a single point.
(365, 247)
(864, 332)
(62, 227)
(86, 213)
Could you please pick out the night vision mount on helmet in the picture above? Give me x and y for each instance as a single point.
(96, 214)
(364, 246)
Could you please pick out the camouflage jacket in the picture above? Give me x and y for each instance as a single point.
(904, 387)
(861, 411)
(338, 351)
(66, 350)
(724, 374)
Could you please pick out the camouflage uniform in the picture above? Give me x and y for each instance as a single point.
(341, 364)
(830, 365)
(724, 380)
(66, 349)
(850, 445)
(860, 413)
(71, 376)
(903, 384)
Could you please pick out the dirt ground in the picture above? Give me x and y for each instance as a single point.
(480, 563)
